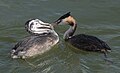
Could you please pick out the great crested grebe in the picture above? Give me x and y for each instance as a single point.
(81, 41)
(42, 37)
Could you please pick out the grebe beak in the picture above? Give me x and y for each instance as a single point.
(61, 19)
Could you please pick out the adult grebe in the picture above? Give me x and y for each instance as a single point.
(42, 37)
(81, 41)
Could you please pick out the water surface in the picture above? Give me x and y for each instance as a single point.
(100, 18)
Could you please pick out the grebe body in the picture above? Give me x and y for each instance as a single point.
(81, 41)
(42, 37)
(88, 43)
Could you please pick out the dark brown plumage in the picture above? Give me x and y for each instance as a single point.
(88, 43)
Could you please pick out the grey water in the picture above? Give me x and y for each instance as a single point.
(100, 18)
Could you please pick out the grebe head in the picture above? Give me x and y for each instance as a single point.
(66, 19)
(36, 26)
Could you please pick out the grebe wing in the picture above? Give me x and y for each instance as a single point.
(33, 45)
(87, 42)
(23, 44)
(29, 43)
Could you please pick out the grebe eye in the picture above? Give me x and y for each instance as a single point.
(36, 23)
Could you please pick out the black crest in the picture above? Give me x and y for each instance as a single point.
(64, 16)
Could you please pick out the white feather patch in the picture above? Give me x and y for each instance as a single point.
(37, 26)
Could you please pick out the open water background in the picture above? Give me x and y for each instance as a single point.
(100, 18)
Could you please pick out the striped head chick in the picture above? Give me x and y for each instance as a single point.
(36, 26)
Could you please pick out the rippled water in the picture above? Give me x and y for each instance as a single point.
(100, 18)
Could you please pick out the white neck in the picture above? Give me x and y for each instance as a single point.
(69, 33)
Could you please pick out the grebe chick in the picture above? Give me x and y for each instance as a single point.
(81, 41)
(42, 37)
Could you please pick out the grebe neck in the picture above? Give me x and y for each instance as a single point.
(69, 33)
